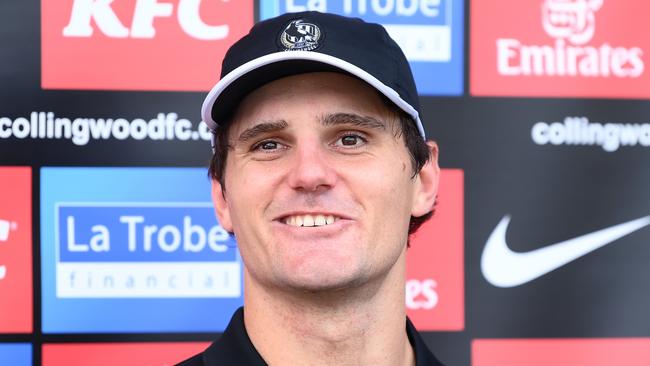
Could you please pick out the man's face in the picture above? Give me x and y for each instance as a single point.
(318, 187)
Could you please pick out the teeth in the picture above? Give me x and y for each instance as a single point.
(319, 220)
(310, 220)
(329, 219)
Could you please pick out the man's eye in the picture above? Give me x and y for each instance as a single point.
(267, 146)
(350, 140)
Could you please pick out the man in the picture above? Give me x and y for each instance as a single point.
(321, 171)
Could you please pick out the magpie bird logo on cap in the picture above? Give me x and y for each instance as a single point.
(299, 35)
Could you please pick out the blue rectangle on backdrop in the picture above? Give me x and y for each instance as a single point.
(16, 354)
(430, 32)
(134, 250)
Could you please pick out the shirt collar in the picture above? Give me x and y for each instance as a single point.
(423, 356)
(236, 348)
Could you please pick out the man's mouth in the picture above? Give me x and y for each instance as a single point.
(307, 220)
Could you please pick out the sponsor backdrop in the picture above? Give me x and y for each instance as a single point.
(539, 249)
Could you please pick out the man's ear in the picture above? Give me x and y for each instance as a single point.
(221, 207)
(426, 188)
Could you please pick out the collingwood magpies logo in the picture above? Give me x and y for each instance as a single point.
(300, 36)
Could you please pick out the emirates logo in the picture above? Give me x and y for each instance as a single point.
(571, 20)
(572, 24)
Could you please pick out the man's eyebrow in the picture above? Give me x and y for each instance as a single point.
(352, 119)
(260, 128)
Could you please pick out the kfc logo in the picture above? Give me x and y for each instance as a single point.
(574, 21)
(581, 48)
(15, 250)
(434, 270)
(138, 45)
(142, 26)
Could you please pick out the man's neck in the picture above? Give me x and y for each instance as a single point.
(361, 326)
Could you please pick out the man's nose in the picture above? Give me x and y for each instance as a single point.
(311, 169)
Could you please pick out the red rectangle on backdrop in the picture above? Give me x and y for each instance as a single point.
(435, 266)
(122, 354)
(561, 352)
(16, 250)
(560, 48)
(138, 45)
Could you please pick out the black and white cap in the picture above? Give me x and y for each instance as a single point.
(296, 43)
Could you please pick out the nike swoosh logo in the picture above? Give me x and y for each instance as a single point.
(504, 268)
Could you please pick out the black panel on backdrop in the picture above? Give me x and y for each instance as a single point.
(553, 192)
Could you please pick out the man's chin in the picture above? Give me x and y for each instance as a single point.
(324, 284)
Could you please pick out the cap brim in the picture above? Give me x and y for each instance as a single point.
(229, 91)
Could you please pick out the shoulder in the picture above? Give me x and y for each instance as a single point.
(234, 347)
(196, 360)
(423, 355)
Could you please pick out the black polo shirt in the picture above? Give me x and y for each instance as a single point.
(235, 348)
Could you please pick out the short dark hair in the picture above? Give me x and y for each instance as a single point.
(405, 129)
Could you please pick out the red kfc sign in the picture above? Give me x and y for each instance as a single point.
(561, 352)
(15, 250)
(123, 354)
(435, 271)
(559, 48)
(138, 45)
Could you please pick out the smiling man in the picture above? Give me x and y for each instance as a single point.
(322, 171)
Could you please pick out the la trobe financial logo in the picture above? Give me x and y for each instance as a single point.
(559, 48)
(117, 242)
(138, 45)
